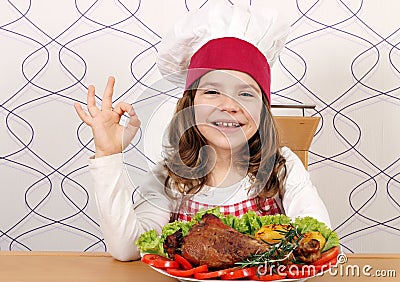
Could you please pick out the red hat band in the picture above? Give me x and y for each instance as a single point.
(230, 53)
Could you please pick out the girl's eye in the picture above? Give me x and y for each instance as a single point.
(246, 94)
(211, 92)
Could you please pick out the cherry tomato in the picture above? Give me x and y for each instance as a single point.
(268, 277)
(239, 273)
(182, 262)
(187, 272)
(213, 274)
(324, 267)
(327, 256)
(301, 272)
(159, 261)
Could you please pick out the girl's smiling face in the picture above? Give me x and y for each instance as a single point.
(228, 106)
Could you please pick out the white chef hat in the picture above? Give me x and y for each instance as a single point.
(223, 36)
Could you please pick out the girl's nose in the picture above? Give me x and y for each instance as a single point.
(229, 104)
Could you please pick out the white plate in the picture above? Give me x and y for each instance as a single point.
(209, 280)
(219, 280)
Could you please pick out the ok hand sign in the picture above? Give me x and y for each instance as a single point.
(109, 136)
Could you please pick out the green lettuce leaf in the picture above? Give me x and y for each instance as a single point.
(172, 227)
(274, 219)
(215, 211)
(331, 241)
(150, 242)
(253, 222)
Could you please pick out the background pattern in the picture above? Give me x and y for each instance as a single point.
(342, 56)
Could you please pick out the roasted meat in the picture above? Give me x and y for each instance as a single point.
(173, 243)
(213, 243)
(308, 250)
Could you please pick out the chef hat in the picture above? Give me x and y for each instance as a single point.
(223, 36)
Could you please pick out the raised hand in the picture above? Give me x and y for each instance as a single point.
(109, 136)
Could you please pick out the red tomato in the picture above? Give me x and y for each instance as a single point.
(239, 273)
(213, 274)
(329, 264)
(187, 272)
(300, 272)
(182, 262)
(268, 277)
(327, 256)
(159, 261)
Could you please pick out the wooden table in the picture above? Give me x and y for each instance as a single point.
(98, 267)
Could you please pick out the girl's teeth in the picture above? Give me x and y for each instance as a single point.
(227, 124)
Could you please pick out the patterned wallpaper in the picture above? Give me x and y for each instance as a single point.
(342, 56)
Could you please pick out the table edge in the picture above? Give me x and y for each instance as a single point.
(105, 254)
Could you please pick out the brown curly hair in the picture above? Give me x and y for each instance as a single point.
(188, 165)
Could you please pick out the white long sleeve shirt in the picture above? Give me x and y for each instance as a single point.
(122, 222)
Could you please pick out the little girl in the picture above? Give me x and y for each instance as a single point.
(223, 147)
